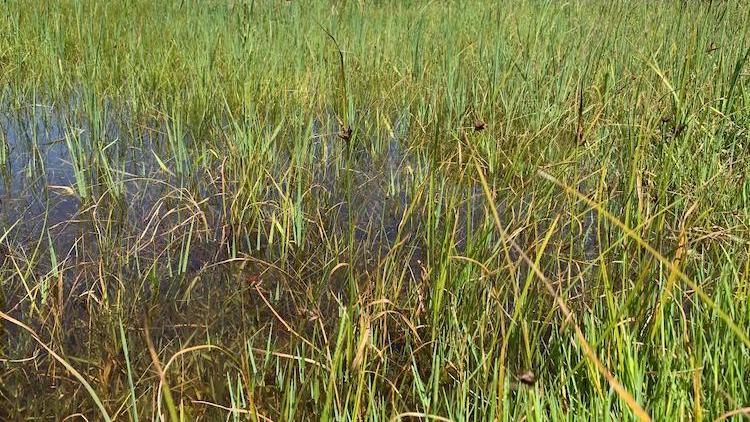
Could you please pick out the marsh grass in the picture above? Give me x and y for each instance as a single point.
(388, 210)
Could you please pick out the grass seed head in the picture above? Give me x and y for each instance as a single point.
(346, 133)
(528, 377)
(479, 125)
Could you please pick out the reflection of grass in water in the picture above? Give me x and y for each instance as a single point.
(292, 194)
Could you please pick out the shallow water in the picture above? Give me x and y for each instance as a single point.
(356, 191)
(171, 248)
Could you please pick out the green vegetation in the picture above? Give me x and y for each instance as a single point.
(374, 210)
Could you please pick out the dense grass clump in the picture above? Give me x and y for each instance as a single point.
(374, 210)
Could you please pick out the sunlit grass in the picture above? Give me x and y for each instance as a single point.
(388, 210)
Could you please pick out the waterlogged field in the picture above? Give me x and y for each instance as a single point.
(388, 210)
